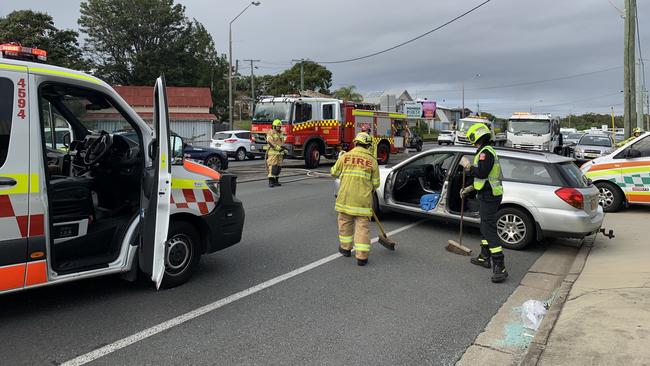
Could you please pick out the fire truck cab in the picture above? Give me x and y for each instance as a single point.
(315, 127)
(100, 197)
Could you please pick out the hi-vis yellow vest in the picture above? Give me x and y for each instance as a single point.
(495, 178)
(359, 175)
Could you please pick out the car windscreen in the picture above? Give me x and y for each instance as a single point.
(221, 136)
(573, 175)
(465, 125)
(595, 140)
(575, 136)
(268, 112)
(537, 127)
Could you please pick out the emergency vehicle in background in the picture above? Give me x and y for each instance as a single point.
(534, 132)
(316, 127)
(117, 199)
(464, 124)
(622, 177)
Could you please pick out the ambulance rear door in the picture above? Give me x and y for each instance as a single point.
(14, 175)
(157, 209)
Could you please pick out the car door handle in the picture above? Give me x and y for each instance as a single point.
(4, 181)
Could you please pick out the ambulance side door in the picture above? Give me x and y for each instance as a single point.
(636, 172)
(157, 210)
(14, 175)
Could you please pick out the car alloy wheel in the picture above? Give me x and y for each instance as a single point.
(511, 229)
(606, 197)
(213, 162)
(241, 154)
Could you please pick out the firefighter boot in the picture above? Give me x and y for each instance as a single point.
(483, 259)
(271, 183)
(362, 257)
(499, 272)
(345, 252)
(276, 182)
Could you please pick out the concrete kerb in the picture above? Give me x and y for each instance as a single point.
(538, 344)
(550, 278)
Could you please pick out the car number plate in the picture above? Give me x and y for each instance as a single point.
(217, 145)
(591, 155)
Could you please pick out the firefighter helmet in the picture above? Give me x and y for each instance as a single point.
(637, 130)
(363, 138)
(476, 131)
(276, 123)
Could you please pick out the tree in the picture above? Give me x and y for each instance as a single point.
(347, 93)
(588, 120)
(35, 29)
(317, 78)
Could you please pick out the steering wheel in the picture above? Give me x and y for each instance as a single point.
(97, 149)
(401, 180)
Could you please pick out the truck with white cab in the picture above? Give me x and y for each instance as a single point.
(534, 131)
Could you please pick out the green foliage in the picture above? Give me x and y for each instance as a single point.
(588, 120)
(347, 93)
(317, 78)
(35, 29)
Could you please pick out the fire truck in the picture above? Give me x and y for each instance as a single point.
(317, 127)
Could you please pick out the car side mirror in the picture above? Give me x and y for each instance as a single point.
(633, 153)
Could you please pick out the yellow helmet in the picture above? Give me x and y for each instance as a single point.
(363, 138)
(476, 131)
(276, 123)
(637, 130)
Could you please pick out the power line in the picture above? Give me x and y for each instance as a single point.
(408, 41)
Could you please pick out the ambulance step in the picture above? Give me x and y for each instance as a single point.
(83, 264)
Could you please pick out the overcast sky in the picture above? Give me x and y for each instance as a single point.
(506, 42)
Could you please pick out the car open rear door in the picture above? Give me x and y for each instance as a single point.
(156, 216)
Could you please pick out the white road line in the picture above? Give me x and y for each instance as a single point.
(124, 342)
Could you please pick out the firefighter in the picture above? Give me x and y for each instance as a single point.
(359, 175)
(635, 133)
(486, 171)
(274, 153)
(373, 149)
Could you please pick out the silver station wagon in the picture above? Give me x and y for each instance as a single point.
(545, 195)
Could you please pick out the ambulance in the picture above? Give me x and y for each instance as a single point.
(116, 198)
(622, 177)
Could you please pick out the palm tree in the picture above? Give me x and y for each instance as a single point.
(347, 93)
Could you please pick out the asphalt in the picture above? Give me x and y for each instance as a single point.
(417, 305)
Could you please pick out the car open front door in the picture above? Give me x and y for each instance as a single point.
(156, 214)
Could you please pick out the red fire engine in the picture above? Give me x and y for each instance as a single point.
(316, 127)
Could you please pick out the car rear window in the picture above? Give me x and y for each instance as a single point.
(221, 136)
(573, 175)
(527, 171)
(243, 135)
(6, 112)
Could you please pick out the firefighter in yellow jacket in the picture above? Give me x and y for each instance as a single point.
(275, 153)
(359, 176)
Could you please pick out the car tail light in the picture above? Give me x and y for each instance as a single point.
(230, 140)
(571, 196)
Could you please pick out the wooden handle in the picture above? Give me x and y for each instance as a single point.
(381, 227)
(462, 211)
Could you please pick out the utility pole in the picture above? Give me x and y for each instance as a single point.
(302, 73)
(252, 78)
(629, 67)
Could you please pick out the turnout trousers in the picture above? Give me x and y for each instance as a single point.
(274, 164)
(355, 229)
(488, 207)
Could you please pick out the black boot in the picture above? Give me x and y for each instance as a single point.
(483, 259)
(499, 272)
(271, 183)
(362, 262)
(276, 182)
(345, 252)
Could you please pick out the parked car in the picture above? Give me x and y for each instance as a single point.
(572, 138)
(215, 159)
(446, 137)
(622, 177)
(545, 195)
(593, 145)
(415, 142)
(236, 144)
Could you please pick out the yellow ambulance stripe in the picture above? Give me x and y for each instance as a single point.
(635, 193)
(178, 183)
(13, 67)
(24, 184)
(65, 74)
(617, 171)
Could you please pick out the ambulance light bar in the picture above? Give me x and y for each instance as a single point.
(16, 51)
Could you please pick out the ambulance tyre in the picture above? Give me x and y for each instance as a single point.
(611, 197)
(182, 253)
(312, 155)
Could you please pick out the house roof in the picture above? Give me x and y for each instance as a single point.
(149, 116)
(142, 96)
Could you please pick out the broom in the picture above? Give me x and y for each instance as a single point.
(384, 240)
(457, 246)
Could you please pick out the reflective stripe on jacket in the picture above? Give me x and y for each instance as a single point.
(494, 177)
(359, 174)
(274, 140)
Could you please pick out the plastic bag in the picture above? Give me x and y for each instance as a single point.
(429, 201)
(532, 313)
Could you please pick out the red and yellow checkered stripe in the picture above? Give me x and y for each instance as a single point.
(313, 124)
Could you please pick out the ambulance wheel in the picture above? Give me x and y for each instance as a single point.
(312, 156)
(383, 153)
(182, 253)
(611, 197)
